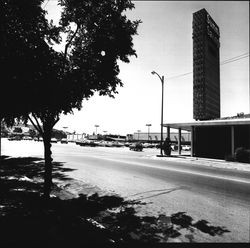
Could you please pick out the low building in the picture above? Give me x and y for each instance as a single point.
(216, 138)
(156, 137)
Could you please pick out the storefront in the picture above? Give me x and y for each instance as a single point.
(215, 138)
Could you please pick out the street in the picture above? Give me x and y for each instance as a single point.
(168, 185)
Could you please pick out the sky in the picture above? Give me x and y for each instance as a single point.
(164, 45)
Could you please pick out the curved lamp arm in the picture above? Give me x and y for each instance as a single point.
(161, 78)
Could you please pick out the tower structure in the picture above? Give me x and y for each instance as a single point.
(206, 67)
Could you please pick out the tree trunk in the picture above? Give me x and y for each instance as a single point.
(48, 162)
(0, 136)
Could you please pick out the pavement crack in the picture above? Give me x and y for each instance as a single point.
(164, 191)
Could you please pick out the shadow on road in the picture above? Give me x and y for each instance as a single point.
(109, 219)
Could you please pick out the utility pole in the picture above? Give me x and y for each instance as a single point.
(148, 125)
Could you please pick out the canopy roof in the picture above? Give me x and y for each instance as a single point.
(220, 122)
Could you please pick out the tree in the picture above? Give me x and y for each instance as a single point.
(26, 59)
(51, 83)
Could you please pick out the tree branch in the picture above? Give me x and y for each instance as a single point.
(38, 125)
(69, 43)
(56, 120)
(34, 125)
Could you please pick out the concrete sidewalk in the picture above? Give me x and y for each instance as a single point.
(216, 163)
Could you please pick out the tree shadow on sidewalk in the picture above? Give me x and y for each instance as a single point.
(109, 219)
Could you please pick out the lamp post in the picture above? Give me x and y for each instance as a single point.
(138, 134)
(162, 87)
(148, 125)
(96, 126)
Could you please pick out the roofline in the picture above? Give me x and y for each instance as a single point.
(188, 126)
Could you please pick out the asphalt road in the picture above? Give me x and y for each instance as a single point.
(218, 196)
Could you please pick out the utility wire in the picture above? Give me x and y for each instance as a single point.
(181, 75)
(233, 59)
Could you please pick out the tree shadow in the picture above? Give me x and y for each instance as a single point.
(87, 219)
(205, 227)
(30, 167)
(150, 229)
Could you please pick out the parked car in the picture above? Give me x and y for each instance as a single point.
(53, 140)
(64, 141)
(27, 138)
(148, 145)
(174, 147)
(186, 148)
(136, 147)
(15, 138)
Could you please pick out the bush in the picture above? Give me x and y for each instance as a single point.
(242, 155)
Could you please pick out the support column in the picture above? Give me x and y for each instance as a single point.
(192, 142)
(179, 141)
(232, 140)
(168, 132)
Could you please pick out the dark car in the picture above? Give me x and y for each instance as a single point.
(136, 147)
(64, 141)
(15, 138)
(53, 140)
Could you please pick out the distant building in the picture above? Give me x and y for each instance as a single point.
(206, 67)
(156, 137)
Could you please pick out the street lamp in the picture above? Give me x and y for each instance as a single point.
(162, 84)
(148, 125)
(96, 126)
(138, 134)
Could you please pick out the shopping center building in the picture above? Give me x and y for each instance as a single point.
(216, 138)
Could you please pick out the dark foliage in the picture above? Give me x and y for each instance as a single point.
(242, 155)
(40, 83)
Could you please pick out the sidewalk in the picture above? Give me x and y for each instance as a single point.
(216, 163)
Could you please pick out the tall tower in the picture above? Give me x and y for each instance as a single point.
(206, 67)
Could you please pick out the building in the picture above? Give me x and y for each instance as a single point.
(156, 137)
(211, 136)
(206, 67)
(216, 138)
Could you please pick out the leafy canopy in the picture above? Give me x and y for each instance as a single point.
(40, 80)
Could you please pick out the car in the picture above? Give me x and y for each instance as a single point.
(148, 145)
(64, 141)
(117, 144)
(53, 140)
(27, 138)
(127, 144)
(15, 138)
(186, 148)
(136, 147)
(174, 147)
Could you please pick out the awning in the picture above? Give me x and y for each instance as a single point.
(222, 122)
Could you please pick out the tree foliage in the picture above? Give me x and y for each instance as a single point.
(40, 83)
(24, 55)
